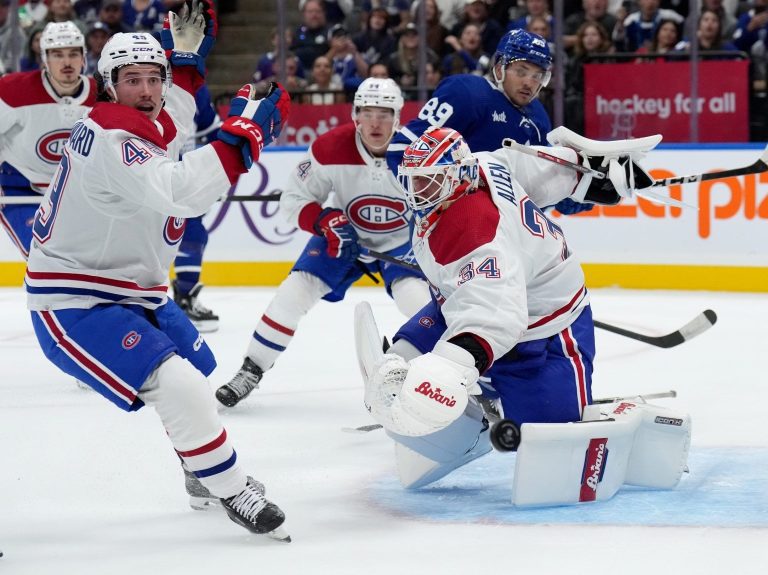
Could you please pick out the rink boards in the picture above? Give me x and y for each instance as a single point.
(721, 246)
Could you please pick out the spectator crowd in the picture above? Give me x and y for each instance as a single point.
(339, 43)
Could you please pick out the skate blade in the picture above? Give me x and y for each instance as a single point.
(279, 534)
(203, 503)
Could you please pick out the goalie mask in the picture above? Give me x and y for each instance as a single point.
(436, 168)
(518, 45)
(60, 35)
(125, 49)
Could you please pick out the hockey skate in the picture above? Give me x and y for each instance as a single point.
(245, 381)
(201, 499)
(250, 509)
(203, 319)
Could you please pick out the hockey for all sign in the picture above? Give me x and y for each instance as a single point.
(632, 100)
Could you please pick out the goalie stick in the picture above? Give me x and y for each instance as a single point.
(696, 326)
(758, 167)
(495, 419)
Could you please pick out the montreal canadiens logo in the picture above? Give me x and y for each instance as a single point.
(51, 145)
(174, 230)
(378, 214)
(130, 340)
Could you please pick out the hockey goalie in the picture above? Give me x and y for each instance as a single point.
(510, 304)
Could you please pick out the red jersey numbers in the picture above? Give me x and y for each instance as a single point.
(488, 268)
(135, 152)
(378, 214)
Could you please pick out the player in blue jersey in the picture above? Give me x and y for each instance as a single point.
(485, 110)
(189, 261)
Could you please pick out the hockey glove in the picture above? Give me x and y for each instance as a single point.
(189, 35)
(623, 177)
(341, 236)
(568, 207)
(253, 124)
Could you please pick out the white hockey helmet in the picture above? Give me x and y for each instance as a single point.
(379, 93)
(125, 49)
(60, 35)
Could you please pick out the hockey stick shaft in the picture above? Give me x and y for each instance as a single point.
(696, 326)
(494, 418)
(701, 323)
(7, 200)
(512, 145)
(761, 165)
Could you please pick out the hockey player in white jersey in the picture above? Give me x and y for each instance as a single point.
(510, 302)
(108, 230)
(37, 112)
(344, 195)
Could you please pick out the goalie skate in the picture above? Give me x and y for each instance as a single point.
(250, 509)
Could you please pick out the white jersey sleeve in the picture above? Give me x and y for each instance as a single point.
(546, 183)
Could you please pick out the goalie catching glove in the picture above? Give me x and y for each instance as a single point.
(187, 37)
(623, 177)
(424, 395)
(616, 159)
(253, 124)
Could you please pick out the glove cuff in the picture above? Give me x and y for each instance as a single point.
(308, 216)
(325, 217)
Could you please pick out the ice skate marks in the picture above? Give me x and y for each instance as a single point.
(726, 487)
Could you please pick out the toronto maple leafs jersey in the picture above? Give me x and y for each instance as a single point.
(111, 220)
(479, 111)
(339, 172)
(501, 269)
(34, 124)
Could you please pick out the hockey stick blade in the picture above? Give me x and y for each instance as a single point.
(643, 396)
(761, 165)
(362, 428)
(696, 326)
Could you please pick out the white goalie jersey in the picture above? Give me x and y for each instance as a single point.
(339, 172)
(502, 269)
(111, 220)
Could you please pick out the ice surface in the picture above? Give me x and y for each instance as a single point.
(87, 489)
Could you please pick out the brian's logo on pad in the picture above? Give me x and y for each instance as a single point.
(594, 467)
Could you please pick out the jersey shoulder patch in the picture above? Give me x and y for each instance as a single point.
(111, 116)
(337, 147)
(24, 89)
(466, 225)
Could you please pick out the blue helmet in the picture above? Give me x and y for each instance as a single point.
(521, 45)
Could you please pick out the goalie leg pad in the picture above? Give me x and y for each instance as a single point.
(425, 459)
(660, 449)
